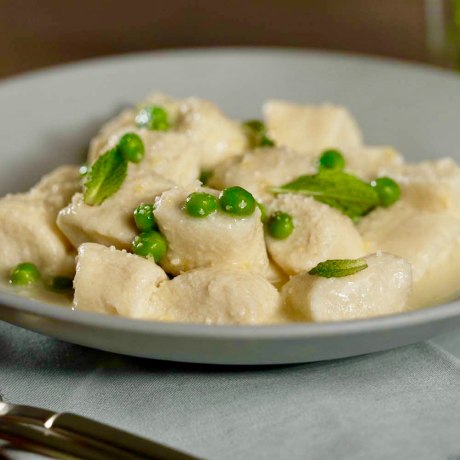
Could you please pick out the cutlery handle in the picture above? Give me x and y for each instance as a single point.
(84, 428)
(37, 441)
(71, 436)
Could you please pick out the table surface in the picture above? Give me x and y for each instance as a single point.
(403, 403)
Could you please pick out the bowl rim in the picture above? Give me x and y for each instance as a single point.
(286, 330)
(208, 51)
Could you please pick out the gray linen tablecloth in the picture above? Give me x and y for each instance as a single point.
(403, 403)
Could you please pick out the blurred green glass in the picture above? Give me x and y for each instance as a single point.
(455, 32)
(443, 32)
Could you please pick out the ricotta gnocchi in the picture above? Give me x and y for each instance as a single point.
(184, 214)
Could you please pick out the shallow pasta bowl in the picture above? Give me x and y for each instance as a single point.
(48, 118)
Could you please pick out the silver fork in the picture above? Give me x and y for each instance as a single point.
(68, 436)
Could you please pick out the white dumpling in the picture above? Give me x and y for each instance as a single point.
(115, 282)
(320, 233)
(58, 186)
(421, 237)
(262, 169)
(370, 162)
(112, 222)
(218, 239)
(382, 288)
(111, 131)
(217, 136)
(428, 186)
(311, 128)
(430, 241)
(170, 154)
(220, 295)
(28, 230)
(423, 227)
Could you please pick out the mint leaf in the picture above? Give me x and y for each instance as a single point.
(256, 132)
(337, 268)
(340, 190)
(105, 177)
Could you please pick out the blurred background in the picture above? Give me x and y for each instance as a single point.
(39, 33)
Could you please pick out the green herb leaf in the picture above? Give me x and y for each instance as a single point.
(256, 132)
(265, 141)
(340, 190)
(105, 177)
(337, 268)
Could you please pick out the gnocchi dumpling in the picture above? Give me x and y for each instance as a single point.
(320, 233)
(28, 230)
(260, 170)
(218, 239)
(383, 288)
(112, 222)
(115, 282)
(218, 295)
(309, 128)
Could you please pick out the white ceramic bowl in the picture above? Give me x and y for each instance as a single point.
(48, 117)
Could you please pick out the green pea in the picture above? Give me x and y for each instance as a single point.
(154, 118)
(24, 274)
(152, 245)
(263, 212)
(144, 218)
(332, 159)
(280, 225)
(199, 204)
(237, 201)
(131, 147)
(61, 283)
(387, 189)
